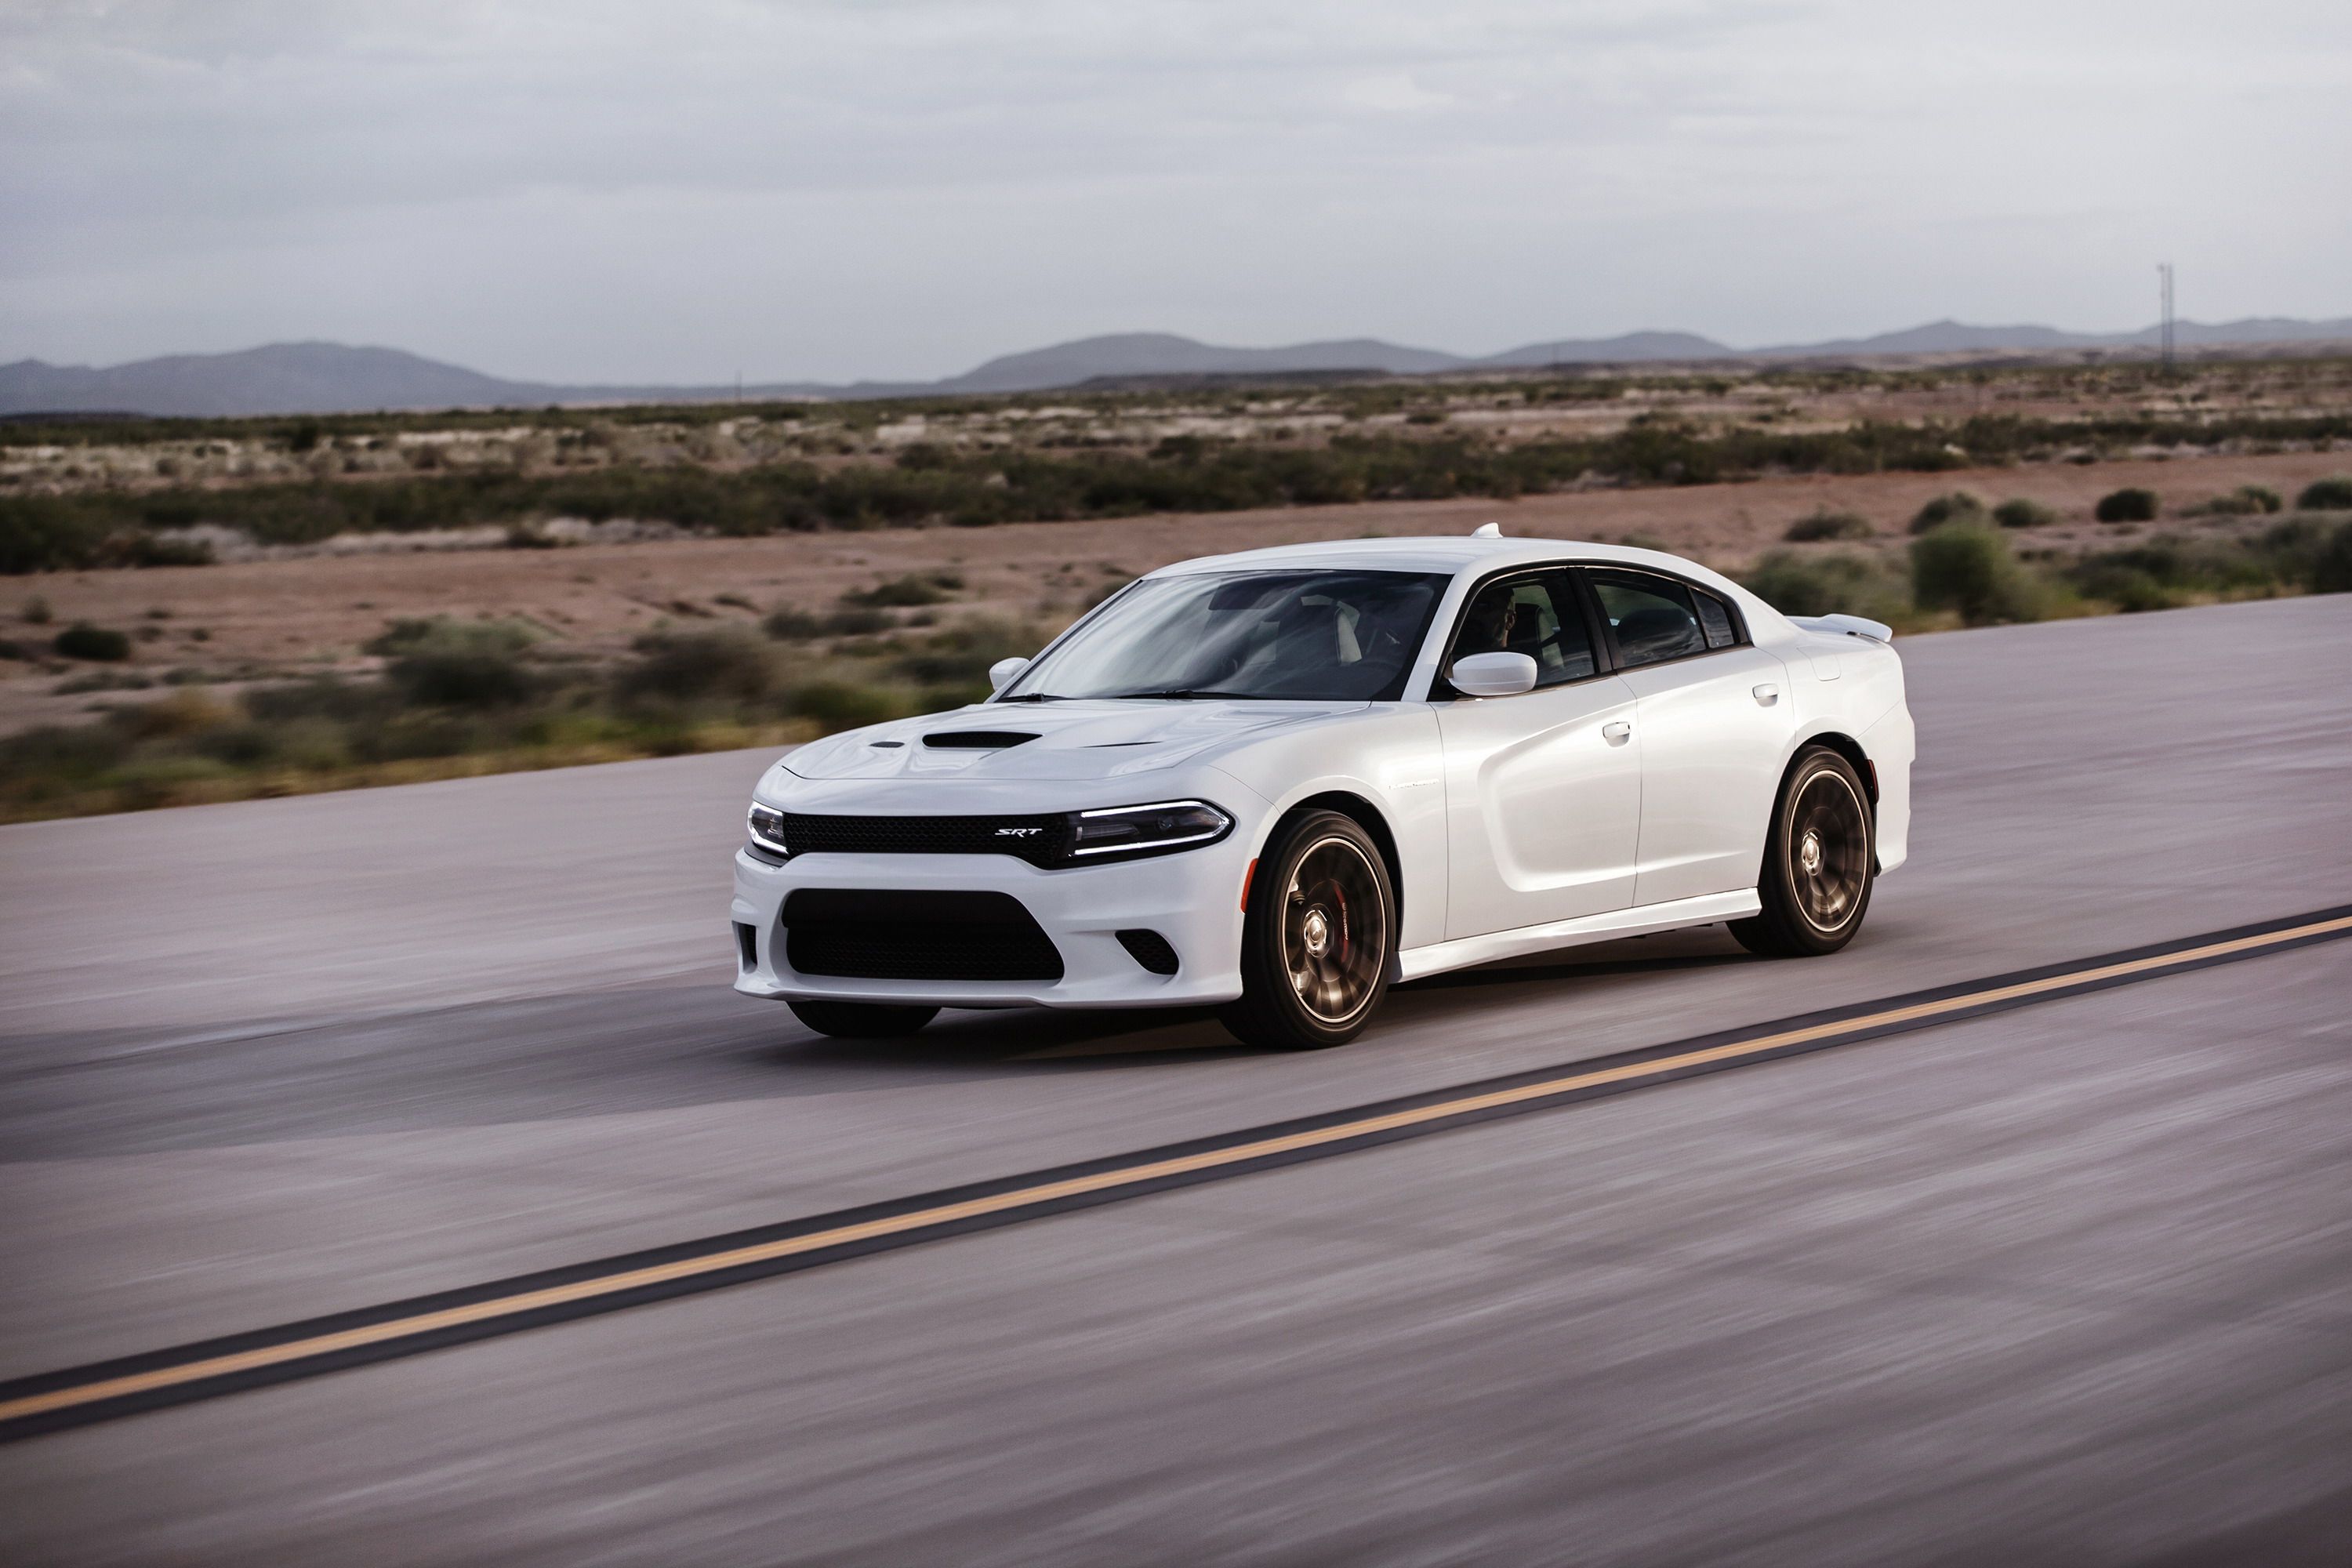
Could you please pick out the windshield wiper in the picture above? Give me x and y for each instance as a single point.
(1185, 694)
(1035, 697)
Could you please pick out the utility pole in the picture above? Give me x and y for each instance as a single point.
(2164, 275)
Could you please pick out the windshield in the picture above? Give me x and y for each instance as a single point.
(1315, 636)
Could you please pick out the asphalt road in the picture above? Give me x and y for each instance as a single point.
(2068, 1285)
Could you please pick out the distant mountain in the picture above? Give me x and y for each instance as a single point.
(1632, 346)
(1164, 353)
(283, 378)
(1940, 338)
(312, 378)
(331, 378)
(1956, 337)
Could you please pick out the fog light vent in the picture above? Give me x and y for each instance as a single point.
(1150, 949)
(747, 946)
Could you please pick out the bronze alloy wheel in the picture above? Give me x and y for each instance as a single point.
(1829, 850)
(1318, 930)
(1334, 930)
(1820, 861)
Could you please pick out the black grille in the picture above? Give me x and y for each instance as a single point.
(894, 935)
(1150, 949)
(1040, 840)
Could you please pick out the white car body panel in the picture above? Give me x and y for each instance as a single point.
(1543, 810)
(1513, 824)
(1711, 754)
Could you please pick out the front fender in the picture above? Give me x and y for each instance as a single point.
(1389, 757)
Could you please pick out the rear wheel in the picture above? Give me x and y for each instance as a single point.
(1819, 862)
(861, 1020)
(1319, 937)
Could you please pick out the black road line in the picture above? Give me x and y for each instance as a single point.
(101, 1391)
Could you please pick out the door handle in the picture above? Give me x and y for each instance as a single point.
(1768, 694)
(1615, 732)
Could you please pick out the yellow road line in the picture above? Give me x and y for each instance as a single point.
(1128, 1175)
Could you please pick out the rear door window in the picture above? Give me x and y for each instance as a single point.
(1653, 619)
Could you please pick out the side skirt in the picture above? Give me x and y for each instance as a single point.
(1461, 953)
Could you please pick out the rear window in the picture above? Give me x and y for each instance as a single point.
(1715, 620)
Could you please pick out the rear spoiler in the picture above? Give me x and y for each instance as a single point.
(1847, 625)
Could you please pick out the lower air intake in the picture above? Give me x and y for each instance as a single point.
(1150, 949)
(877, 935)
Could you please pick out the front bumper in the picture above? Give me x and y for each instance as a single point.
(1193, 898)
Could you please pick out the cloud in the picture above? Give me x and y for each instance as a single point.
(1395, 92)
(594, 188)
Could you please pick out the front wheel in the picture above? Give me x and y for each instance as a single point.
(861, 1020)
(1820, 862)
(1319, 937)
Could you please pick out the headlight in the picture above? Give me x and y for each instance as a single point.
(766, 826)
(1145, 829)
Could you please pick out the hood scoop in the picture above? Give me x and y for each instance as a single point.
(976, 739)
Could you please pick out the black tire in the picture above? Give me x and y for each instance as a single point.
(861, 1020)
(1318, 939)
(1820, 861)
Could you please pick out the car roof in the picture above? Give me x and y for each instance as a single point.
(1469, 555)
(1451, 555)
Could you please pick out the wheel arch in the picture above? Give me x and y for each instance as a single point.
(1366, 815)
(1845, 746)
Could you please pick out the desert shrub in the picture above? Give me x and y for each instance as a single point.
(1797, 584)
(787, 624)
(102, 681)
(63, 756)
(698, 667)
(2019, 512)
(1826, 523)
(905, 593)
(854, 622)
(2128, 505)
(2332, 494)
(145, 547)
(2173, 569)
(82, 640)
(838, 705)
(2246, 500)
(976, 488)
(325, 699)
(36, 612)
(240, 745)
(444, 663)
(2331, 570)
(1958, 506)
(1966, 566)
(952, 662)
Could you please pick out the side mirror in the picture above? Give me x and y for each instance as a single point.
(1004, 669)
(1493, 675)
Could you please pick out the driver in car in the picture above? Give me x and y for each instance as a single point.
(1487, 626)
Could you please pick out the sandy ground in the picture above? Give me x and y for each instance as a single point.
(288, 616)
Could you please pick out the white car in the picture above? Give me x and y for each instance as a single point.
(1280, 781)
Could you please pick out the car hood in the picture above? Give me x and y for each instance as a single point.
(1076, 739)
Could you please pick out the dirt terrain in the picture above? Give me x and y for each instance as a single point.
(274, 618)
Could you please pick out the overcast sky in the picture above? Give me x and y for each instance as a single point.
(681, 189)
